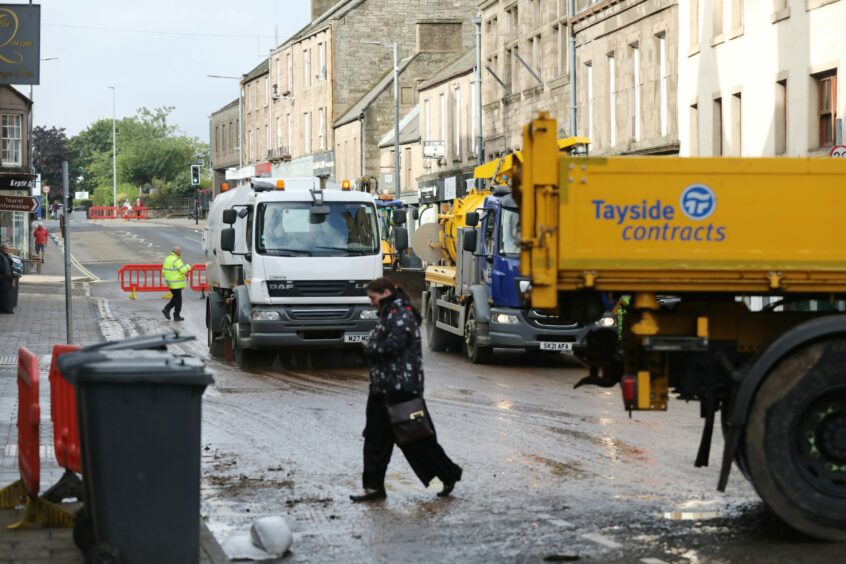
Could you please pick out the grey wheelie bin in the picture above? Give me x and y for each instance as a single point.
(139, 417)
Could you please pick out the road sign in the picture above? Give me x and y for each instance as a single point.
(434, 149)
(837, 151)
(18, 204)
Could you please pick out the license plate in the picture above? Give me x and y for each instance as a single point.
(356, 337)
(563, 347)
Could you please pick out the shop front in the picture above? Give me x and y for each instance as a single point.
(15, 193)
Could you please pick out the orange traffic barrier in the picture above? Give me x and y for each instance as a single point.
(63, 414)
(102, 212)
(135, 212)
(135, 278)
(198, 279)
(66, 444)
(29, 418)
(37, 510)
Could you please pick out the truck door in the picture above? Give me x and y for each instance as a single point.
(506, 258)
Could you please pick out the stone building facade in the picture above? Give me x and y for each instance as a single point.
(626, 68)
(525, 70)
(224, 146)
(366, 123)
(760, 78)
(627, 75)
(255, 92)
(448, 118)
(321, 72)
(411, 160)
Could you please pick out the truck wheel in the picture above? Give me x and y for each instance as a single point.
(475, 352)
(795, 440)
(438, 338)
(245, 358)
(213, 337)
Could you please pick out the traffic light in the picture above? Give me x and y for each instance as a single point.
(195, 175)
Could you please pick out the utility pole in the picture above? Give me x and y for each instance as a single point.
(114, 149)
(66, 235)
(571, 9)
(396, 123)
(480, 157)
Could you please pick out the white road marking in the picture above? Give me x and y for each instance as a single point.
(601, 539)
(653, 561)
(192, 239)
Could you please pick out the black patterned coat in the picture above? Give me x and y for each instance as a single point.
(394, 349)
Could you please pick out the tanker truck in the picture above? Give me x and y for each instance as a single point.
(288, 264)
(697, 245)
(471, 298)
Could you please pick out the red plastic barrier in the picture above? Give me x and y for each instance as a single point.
(198, 279)
(63, 414)
(102, 212)
(141, 278)
(29, 418)
(148, 278)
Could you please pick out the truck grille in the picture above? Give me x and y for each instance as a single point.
(540, 319)
(316, 288)
(319, 314)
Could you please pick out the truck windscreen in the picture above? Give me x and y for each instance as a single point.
(290, 229)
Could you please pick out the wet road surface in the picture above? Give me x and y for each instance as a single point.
(550, 473)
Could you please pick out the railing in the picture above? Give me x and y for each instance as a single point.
(148, 278)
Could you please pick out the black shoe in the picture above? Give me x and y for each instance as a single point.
(369, 495)
(166, 313)
(448, 487)
(178, 318)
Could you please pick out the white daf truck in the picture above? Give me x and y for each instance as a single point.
(288, 264)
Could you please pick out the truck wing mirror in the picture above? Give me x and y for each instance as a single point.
(415, 214)
(401, 238)
(399, 217)
(322, 210)
(472, 219)
(229, 216)
(227, 237)
(469, 244)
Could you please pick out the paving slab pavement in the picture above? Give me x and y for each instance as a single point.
(37, 324)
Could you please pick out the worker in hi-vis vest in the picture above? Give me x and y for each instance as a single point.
(174, 272)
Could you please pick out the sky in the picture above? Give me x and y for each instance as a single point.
(155, 53)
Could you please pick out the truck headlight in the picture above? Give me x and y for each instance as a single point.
(608, 321)
(368, 314)
(505, 318)
(259, 315)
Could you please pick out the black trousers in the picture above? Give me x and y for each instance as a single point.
(7, 296)
(175, 302)
(427, 458)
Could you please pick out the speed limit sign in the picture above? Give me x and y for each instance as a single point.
(838, 151)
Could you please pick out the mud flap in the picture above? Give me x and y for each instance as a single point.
(709, 409)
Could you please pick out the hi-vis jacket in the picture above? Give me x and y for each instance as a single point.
(174, 271)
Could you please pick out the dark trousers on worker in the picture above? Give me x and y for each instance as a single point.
(427, 458)
(175, 302)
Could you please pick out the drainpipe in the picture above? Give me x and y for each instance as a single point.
(361, 141)
(571, 9)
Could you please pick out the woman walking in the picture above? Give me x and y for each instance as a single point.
(396, 376)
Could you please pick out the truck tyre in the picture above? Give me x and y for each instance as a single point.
(475, 352)
(795, 440)
(244, 358)
(215, 342)
(438, 338)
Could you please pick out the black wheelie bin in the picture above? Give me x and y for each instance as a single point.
(140, 422)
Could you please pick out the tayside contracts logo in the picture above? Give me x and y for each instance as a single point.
(656, 220)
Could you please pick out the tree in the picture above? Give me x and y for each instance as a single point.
(150, 154)
(49, 149)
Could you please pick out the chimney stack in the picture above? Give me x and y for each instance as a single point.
(319, 7)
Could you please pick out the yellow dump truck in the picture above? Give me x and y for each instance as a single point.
(693, 242)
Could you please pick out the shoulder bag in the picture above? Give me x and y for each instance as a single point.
(410, 421)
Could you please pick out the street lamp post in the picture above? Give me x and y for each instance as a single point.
(114, 149)
(394, 47)
(480, 157)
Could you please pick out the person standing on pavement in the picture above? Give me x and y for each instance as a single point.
(40, 235)
(395, 355)
(174, 272)
(7, 280)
